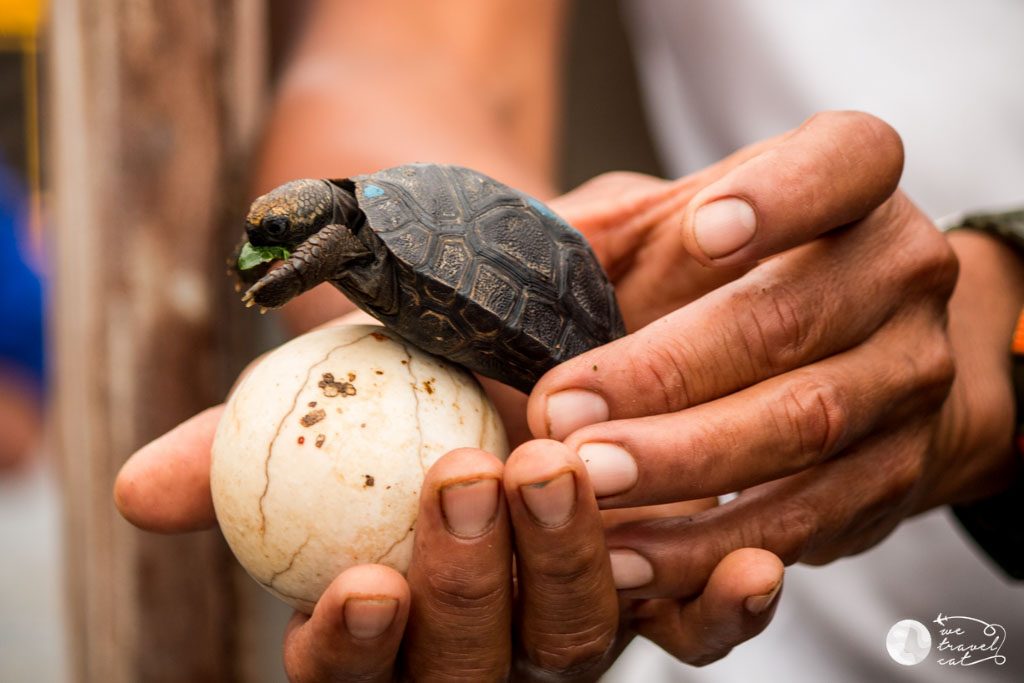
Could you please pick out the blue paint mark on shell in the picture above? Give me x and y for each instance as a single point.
(543, 210)
(372, 191)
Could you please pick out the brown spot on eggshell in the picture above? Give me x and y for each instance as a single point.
(351, 377)
(312, 417)
(379, 336)
(302, 440)
(332, 387)
(378, 541)
(312, 404)
(428, 385)
(320, 438)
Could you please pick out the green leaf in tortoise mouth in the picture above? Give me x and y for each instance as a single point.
(251, 256)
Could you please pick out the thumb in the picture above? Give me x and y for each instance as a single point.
(165, 486)
(833, 170)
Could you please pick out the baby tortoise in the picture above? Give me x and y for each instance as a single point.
(457, 263)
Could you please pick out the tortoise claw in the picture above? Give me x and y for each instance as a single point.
(274, 289)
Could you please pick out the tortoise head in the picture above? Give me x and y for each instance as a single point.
(288, 214)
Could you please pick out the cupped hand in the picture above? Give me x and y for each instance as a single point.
(789, 341)
(463, 612)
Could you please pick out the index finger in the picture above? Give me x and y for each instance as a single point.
(165, 485)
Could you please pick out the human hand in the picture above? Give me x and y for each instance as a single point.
(829, 352)
(460, 614)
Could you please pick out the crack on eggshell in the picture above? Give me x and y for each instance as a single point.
(456, 402)
(412, 525)
(276, 575)
(280, 426)
(416, 398)
(485, 417)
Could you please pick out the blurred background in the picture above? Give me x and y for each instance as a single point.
(32, 634)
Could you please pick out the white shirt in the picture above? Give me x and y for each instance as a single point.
(949, 76)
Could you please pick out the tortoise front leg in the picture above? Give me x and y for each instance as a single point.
(320, 258)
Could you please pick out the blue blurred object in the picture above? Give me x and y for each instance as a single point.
(21, 291)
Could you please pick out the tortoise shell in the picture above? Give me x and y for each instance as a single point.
(484, 275)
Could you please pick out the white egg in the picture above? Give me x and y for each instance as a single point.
(320, 455)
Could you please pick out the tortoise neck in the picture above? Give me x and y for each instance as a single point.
(344, 205)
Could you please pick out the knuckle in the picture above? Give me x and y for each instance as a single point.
(812, 413)
(574, 567)
(771, 328)
(928, 262)
(939, 265)
(906, 476)
(466, 589)
(938, 368)
(662, 369)
(792, 531)
(572, 624)
(571, 656)
(891, 493)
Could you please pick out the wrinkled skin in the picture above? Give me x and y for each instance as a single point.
(823, 341)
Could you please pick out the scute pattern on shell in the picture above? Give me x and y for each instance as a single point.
(489, 277)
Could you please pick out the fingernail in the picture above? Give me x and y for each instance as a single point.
(724, 226)
(630, 569)
(757, 604)
(551, 503)
(469, 507)
(367, 618)
(612, 469)
(574, 408)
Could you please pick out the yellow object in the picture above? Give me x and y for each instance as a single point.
(20, 21)
(20, 18)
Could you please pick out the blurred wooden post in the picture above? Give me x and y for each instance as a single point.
(153, 107)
